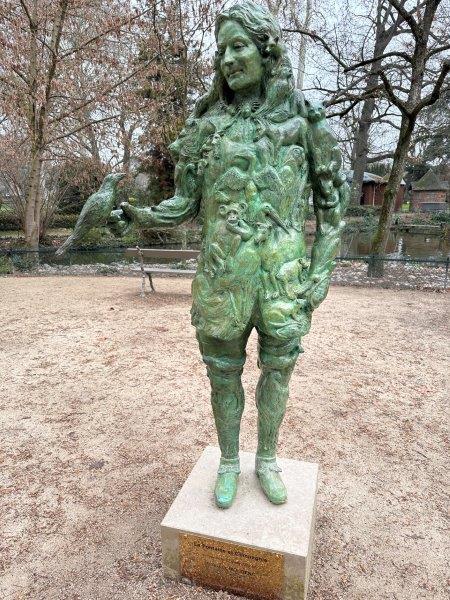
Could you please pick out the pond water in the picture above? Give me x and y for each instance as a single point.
(400, 245)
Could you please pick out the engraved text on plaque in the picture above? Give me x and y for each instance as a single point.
(232, 567)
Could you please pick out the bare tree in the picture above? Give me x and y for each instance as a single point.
(392, 85)
(295, 15)
(14, 176)
(387, 24)
(426, 81)
(307, 18)
(430, 145)
(45, 42)
(181, 38)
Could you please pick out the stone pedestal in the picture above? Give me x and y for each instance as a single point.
(254, 548)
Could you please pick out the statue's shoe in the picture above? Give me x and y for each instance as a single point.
(268, 473)
(226, 482)
(225, 490)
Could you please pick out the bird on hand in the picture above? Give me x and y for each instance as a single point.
(95, 211)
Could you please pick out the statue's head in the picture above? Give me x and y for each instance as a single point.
(114, 177)
(250, 57)
(316, 112)
(232, 212)
(239, 59)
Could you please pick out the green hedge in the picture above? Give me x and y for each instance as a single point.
(355, 210)
(8, 220)
(64, 221)
(176, 235)
(441, 217)
(6, 265)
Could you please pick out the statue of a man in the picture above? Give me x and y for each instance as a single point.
(248, 158)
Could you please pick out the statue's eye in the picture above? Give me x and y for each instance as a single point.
(238, 46)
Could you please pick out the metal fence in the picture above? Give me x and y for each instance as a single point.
(398, 272)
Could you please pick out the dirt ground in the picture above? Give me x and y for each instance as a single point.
(104, 409)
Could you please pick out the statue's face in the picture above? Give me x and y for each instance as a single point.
(240, 60)
(233, 217)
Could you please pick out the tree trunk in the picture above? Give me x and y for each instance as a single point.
(38, 116)
(302, 47)
(361, 149)
(33, 202)
(126, 137)
(381, 236)
(383, 37)
(126, 141)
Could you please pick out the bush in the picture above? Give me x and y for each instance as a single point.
(441, 218)
(367, 224)
(98, 236)
(355, 210)
(6, 265)
(65, 221)
(8, 220)
(78, 179)
(178, 235)
(421, 219)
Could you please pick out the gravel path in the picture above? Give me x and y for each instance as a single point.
(104, 409)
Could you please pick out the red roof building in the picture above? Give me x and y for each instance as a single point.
(429, 194)
(373, 190)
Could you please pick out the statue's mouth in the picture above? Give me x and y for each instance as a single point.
(235, 72)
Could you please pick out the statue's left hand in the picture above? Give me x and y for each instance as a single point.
(314, 290)
(318, 290)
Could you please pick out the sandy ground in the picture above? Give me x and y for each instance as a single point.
(104, 409)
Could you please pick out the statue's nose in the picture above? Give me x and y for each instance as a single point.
(228, 58)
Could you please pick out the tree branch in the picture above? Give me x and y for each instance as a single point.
(318, 38)
(80, 127)
(391, 95)
(21, 75)
(387, 122)
(103, 33)
(27, 12)
(434, 95)
(437, 50)
(350, 97)
(345, 111)
(407, 16)
(407, 57)
(68, 113)
(375, 159)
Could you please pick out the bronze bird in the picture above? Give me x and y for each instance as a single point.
(95, 211)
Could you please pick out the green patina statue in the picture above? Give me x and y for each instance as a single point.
(248, 159)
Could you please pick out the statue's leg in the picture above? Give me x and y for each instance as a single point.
(276, 360)
(224, 362)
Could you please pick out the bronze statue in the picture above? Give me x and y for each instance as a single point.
(247, 159)
(97, 209)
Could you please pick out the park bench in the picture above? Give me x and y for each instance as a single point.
(151, 253)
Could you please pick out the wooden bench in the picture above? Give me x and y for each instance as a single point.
(149, 270)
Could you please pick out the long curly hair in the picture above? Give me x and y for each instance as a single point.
(265, 32)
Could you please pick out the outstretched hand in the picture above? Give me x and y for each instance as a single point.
(118, 223)
(319, 290)
(125, 208)
(314, 290)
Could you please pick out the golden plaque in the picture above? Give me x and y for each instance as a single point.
(232, 567)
